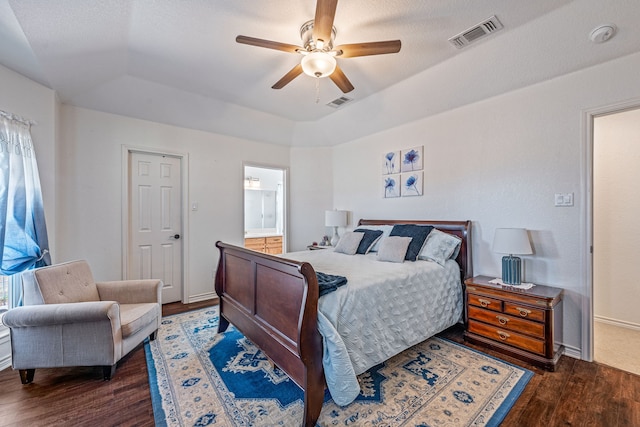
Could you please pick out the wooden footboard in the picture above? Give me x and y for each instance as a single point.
(274, 303)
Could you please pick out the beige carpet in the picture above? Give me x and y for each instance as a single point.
(616, 346)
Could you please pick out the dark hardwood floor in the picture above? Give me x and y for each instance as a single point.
(577, 394)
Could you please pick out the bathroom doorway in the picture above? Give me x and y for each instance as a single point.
(265, 208)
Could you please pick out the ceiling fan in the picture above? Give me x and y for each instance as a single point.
(319, 54)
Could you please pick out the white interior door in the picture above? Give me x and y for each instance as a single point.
(155, 221)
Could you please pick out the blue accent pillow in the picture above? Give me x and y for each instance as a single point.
(418, 233)
(370, 238)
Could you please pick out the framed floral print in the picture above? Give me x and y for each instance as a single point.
(391, 163)
(411, 184)
(411, 159)
(391, 186)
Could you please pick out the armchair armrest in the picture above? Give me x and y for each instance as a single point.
(131, 291)
(61, 314)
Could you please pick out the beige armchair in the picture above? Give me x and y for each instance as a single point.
(70, 320)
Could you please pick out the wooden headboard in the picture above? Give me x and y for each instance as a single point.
(461, 229)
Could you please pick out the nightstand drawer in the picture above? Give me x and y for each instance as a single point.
(523, 311)
(507, 337)
(510, 323)
(485, 302)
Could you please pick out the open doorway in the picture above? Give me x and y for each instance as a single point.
(616, 230)
(264, 208)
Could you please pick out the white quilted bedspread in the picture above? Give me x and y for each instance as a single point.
(384, 309)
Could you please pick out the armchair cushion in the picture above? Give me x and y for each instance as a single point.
(134, 317)
(67, 282)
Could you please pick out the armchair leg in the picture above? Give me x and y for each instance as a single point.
(108, 372)
(26, 375)
(153, 335)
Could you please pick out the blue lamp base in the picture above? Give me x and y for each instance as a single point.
(511, 270)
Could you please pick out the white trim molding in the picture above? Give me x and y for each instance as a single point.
(618, 323)
(203, 297)
(586, 221)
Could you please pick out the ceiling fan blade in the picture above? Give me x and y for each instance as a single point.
(295, 72)
(268, 44)
(370, 48)
(341, 80)
(323, 21)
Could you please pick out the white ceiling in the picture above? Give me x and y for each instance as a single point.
(177, 62)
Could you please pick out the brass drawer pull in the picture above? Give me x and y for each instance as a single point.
(503, 335)
(503, 320)
(484, 302)
(523, 311)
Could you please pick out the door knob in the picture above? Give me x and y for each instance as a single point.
(175, 236)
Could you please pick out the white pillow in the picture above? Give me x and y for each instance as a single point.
(393, 248)
(349, 243)
(386, 229)
(439, 247)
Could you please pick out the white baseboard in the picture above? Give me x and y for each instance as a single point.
(201, 297)
(616, 322)
(574, 352)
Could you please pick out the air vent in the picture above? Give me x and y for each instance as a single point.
(339, 102)
(476, 32)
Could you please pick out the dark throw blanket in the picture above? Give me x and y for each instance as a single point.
(329, 283)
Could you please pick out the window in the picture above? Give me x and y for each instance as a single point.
(4, 293)
(23, 232)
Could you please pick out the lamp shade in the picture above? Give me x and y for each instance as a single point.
(335, 218)
(318, 64)
(512, 241)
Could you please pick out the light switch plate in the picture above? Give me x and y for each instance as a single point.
(563, 199)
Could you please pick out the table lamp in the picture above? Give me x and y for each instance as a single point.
(511, 241)
(335, 219)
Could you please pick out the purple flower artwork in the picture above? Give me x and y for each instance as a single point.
(411, 159)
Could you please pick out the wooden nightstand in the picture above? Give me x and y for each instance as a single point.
(526, 324)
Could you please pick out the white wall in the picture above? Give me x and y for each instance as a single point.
(616, 229)
(311, 193)
(90, 184)
(35, 102)
(498, 163)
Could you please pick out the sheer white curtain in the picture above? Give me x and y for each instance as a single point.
(23, 232)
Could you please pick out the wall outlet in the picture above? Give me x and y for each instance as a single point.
(563, 199)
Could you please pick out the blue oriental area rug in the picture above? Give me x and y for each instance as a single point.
(201, 378)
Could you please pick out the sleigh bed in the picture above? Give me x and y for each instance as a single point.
(274, 302)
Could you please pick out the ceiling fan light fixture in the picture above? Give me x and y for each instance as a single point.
(318, 64)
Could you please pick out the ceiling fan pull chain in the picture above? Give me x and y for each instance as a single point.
(317, 90)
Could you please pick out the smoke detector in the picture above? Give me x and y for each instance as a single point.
(602, 33)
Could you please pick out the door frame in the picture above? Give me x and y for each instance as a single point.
(285, 202)
(184, 181)
(586, 240)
